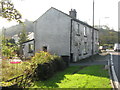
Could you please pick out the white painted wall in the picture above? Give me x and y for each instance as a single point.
(52, 29)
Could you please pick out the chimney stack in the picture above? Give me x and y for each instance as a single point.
(73, 13)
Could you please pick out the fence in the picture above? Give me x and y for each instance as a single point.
(20, 81)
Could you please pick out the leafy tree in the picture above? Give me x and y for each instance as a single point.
(108, 36)
(8, 48)
(11, 41)
(22, 38)
(8, 11)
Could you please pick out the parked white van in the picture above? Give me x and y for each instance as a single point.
(117, 47)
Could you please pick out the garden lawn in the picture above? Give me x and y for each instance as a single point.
(78, 77)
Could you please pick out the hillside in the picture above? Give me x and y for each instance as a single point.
(107, 36)
(28, 26)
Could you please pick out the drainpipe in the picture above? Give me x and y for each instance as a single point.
(34, 47)
(71, 40)
(93, 32)
(34, 35)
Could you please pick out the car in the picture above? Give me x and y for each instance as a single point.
(117, 47)
(102, 47)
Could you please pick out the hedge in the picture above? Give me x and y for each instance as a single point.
(45, 65)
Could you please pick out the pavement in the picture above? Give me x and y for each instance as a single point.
(100, 59)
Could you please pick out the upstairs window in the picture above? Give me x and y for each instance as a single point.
(85, 31)
(78, 30)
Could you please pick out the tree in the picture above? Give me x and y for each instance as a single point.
(8, 11)
(22, 38)
(8, 48)
(108, 36)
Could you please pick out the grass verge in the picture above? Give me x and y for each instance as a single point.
(87, 77)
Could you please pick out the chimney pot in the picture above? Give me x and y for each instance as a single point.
(73, 13)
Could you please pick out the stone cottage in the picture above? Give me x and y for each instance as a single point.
(64, 35)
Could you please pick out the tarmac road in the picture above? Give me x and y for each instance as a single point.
(115, 60)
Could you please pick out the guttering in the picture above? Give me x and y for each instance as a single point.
(34, 47)
(28, 41)
(35, 25)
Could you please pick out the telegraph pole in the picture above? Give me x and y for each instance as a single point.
(93, 13)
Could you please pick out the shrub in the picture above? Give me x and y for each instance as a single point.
(10, 71)
(45, 65)
(61, 65)
(44, 71)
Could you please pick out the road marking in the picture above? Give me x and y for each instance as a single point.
(113, 72)
(111, 59)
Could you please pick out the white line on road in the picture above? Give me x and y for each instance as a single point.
(111, 59)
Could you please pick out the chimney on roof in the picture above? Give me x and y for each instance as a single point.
(73, 13)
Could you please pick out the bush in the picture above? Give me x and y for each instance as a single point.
(44, 71)
(61, 65)
(46, 65)
(10, 71)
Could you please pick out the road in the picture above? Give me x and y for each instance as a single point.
(115, 61)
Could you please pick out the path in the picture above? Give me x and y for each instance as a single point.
(101, 59)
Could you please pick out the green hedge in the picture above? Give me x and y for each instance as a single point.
(46, 65)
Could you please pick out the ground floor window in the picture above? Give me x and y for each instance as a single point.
(30, 48)
(45, 48)
(85, 48)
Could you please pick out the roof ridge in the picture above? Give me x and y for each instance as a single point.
(74, 18)
(68, 16)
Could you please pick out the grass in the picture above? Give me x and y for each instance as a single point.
(85, 77)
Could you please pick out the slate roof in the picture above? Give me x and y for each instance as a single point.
(70, 17)
(74, 18)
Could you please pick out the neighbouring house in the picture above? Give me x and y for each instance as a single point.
(28, 48)
(65, 35)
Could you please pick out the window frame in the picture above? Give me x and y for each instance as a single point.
(45, 48)
(30, 48)
(78, 29)
(85, 31)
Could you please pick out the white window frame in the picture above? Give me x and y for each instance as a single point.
(85, 31)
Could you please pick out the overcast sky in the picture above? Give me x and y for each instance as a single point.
(33, 9)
